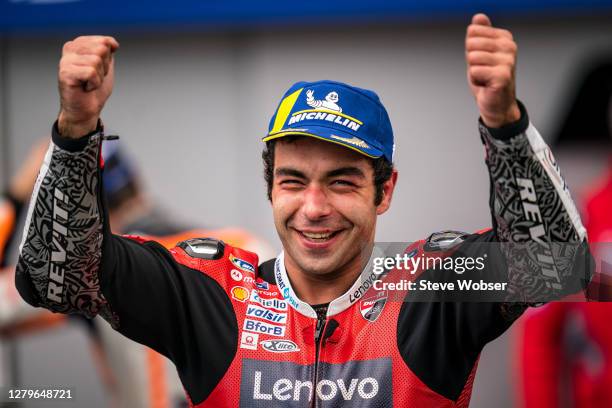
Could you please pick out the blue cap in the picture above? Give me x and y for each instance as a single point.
(335, 112)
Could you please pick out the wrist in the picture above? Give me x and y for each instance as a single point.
(72, 129)
(495, 121)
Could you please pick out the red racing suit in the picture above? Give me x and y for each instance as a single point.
(238, 333)
(565, 348)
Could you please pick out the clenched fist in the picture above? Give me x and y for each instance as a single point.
(85, 83)
(491, 60)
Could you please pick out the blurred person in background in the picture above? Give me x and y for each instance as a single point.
(16, 315)
(298, 329)
(133, 375)
(565, 348)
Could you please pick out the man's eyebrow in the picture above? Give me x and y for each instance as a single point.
(288, 171)
(346, 171)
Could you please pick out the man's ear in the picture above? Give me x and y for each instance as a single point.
(388, 189)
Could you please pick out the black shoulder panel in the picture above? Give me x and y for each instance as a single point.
(440, 341)
(266, 271)
(205, 248)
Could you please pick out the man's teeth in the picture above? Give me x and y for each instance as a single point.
(317, 236)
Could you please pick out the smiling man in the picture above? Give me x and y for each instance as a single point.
(307, 328)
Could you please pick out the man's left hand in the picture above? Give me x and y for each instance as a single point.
(491, 60)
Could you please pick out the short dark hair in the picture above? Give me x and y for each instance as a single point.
(383, 169)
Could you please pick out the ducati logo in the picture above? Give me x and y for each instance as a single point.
(372, 306)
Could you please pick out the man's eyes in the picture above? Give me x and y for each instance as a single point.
(343, 183)
(291, 182)
(298, 182)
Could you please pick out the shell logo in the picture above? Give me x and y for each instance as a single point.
(239, 293)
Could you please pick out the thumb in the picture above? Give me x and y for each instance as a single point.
(481, 19)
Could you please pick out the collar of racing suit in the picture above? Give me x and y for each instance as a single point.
(363, 282)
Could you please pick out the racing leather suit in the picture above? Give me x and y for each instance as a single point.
(237, 332)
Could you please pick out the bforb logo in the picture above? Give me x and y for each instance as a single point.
(260, 327)
(354, 383)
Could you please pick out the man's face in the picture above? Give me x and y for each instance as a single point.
(323, 204)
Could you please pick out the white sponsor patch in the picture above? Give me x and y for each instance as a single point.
(249, 341)
(279, 346)
(264, 328)
(268, 303)
(265, 314)
(236, 275)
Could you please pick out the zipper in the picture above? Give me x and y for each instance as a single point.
(319, 338)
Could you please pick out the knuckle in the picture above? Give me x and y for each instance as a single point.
(67, 47)
(96, 60)
(62, 75)
(473, 43)
(83, 39)
(100, 50)
(504, 75)
(90, 72)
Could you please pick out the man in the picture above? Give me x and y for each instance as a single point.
(305, 329)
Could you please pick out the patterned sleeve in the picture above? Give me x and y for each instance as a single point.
(63, 231)
(534, 217)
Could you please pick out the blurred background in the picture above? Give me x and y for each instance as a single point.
(197, 81)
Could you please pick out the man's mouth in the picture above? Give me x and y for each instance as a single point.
(318, 236)
(318, 239)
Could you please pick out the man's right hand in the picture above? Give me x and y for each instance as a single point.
(85, 83)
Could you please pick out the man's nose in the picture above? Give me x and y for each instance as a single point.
(316, 204)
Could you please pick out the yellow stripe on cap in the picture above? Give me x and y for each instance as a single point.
(284, 109)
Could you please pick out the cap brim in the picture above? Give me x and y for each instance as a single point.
(330, 135)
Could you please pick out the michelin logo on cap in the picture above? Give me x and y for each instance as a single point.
(328, 103)
(323, 110)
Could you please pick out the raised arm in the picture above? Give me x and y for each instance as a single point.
(534, 217)
(70, 262)
(63, 229)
